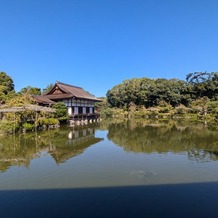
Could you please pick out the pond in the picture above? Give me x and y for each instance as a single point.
(111, 169)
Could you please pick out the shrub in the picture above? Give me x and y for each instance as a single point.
(47, 121)
(106, 112)
(164, 107)
(181, 109)
(8, 126)
(212, 107)
(53, 121)
(152, 111)
(28, 126)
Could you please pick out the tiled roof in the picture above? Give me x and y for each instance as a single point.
(69, 91)
(59, 96)
(43, 99)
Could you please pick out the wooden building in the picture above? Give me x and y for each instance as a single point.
(78, 101)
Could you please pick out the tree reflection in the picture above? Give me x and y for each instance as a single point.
(61, 144)
(199, 141)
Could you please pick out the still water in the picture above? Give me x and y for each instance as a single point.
(122, 169)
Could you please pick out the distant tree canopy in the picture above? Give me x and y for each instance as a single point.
(31, 90)
(204, 84)
(6, 87)
(7, 82)
(150, 92)
(48, 88)
(21, 100)
(138, 91)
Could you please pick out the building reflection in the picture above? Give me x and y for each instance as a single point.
(62, 144)
(78, 141)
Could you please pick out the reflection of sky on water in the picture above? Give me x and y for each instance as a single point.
(88, 158)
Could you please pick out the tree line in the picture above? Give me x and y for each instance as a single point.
(7, 89)
(151, 92)
(133, 97)
(195, 98)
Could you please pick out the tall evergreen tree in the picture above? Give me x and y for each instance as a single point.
(6, 87)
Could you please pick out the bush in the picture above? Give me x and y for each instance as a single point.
(8, 126)
(212, 107)
(47, 121)
(152, 111)
(112, 112)
(28, 126)
(181, 109)
(53, 121)
(106, 112)
(164, 107)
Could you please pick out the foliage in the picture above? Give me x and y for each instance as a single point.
(8, 126)
(27, 119)
(106, 112)
(212, 107)
(20, 100)
(197, 77)
(48, 88)
(204, 84)
(61, 112)
(137, 97)
(164, 107)
(7, 82)
(47, 121)
(212, 86)
(28, 126)
(181, 109)
(153, 92)
(113, 112)
(101, 104)
(149, 92)
(6, 86)
(159, 136)
(200, 105)
(31, 90)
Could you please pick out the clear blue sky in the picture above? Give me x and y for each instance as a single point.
(96, 44)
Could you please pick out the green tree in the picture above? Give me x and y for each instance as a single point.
(204, 84)
(147, 92)
(61, 112)
(6, 87)
(199, 82)
(31, 90)
(197, 77)
(6, 81)
(48, 88)
(173, 91)
(17, 118)
(21, 100)
(212, 86)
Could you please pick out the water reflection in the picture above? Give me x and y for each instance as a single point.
(61, 144)
(199, 141)
(133, 153)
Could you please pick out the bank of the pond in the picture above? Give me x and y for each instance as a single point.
(179, 113)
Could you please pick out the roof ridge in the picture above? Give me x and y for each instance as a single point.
(57, 82)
